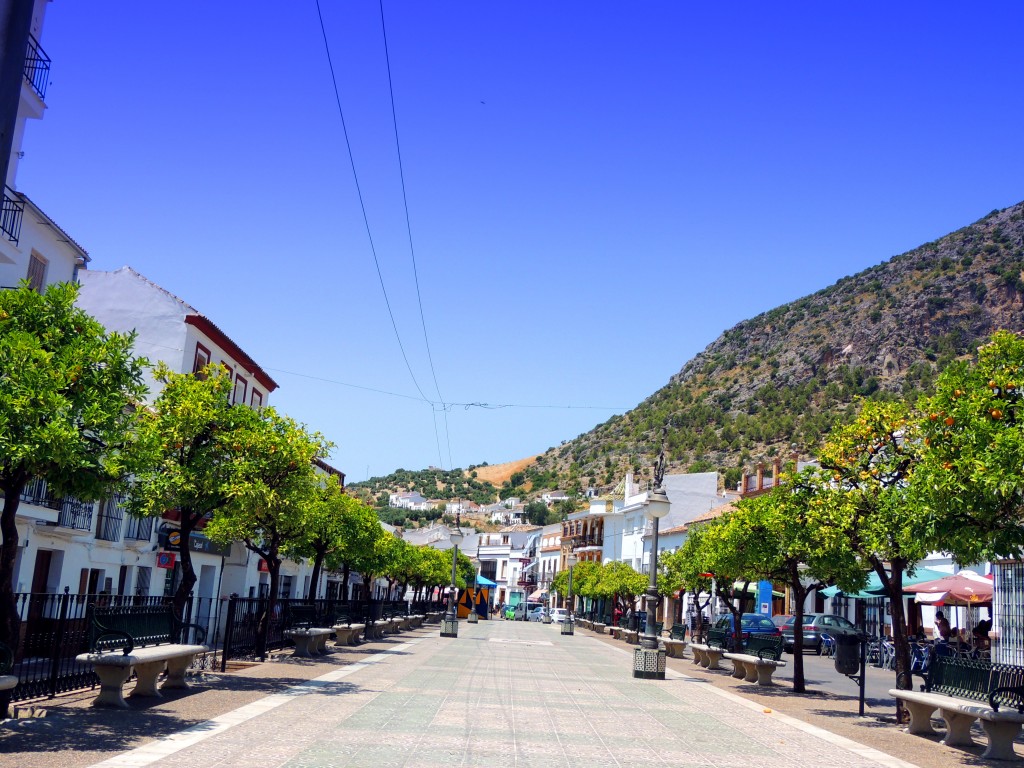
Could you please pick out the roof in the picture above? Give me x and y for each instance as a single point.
(207, 326)
(51, 223)
(520, 528)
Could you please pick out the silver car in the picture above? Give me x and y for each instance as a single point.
(815, 625)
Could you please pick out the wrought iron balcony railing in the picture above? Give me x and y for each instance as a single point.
(37, 67)
(11, 214)
(76, 514)
(71, 512)
(138, 528)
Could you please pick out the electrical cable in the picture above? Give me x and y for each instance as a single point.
(408, 229)
(362, 204)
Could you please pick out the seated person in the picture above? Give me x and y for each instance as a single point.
(942, 626)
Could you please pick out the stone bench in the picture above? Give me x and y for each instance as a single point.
(631, 636)
(114, 668)
(347, 634)
(142, 639)
(707, 656)
(309, 641)
(1001, 727)
(674, 648)
(416, 620)
(753, 669)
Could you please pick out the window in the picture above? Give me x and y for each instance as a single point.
(202, 360)
(142, 579)
(36, 272)
(257, 398)
(241, 385)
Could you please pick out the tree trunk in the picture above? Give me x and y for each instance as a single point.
(10, 624)
(318, 563)
(894, 589)
(189, 520)
(344, 582)
(274, 569)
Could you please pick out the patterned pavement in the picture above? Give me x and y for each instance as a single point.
(501, 694)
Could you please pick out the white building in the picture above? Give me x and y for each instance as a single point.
(32, 246)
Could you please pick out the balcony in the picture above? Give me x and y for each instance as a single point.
(582, 542)
(37, 67)
(110, 519)
(71, 512)
(75, 514)
(11, 214)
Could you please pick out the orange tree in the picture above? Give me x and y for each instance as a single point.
(273, 486)
(781, 538)
(865, 501)
(187, 456)
(67, 388)
(971, 477)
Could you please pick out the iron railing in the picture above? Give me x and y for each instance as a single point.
(12, 211)
(54, 630)
(138, 528)
(110, 518)
(37, 67)
(76, 514)
(71, 512)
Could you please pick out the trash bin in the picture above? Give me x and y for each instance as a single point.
(847, 660)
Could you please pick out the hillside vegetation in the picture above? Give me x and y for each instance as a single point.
(777, 383)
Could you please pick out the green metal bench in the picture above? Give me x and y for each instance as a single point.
(761, 656)
(145, 639)
(131, 626)
(966, 690)
(718, 638)
(765, 646)
(678, 632)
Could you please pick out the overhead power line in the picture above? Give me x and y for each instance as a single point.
(366, 220)
(408, 229)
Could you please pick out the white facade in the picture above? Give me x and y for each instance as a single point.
(94, 548)
(32, 245)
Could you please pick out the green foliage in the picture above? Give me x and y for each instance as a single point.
(67, 388)
(455, 484)
(619, 579)
(972, 476)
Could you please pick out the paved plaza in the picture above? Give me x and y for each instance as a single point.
(501, 694)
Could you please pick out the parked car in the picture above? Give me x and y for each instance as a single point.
(750, 624)
(522, 611)
(537, 613)
(781, 619)
(559, 615)
(815, 624)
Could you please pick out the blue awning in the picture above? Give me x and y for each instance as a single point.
(483, 581)
(874, 588)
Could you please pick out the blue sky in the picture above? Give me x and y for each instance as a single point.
(596, 190)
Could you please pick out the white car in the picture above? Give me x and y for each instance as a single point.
(537, 614)
(559, 615)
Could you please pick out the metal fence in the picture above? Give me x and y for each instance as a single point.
(242, 620)
(54, 630)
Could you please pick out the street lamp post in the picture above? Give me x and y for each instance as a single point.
(450, 625)
(567, 625)
(649, 659)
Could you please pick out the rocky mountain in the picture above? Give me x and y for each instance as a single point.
(778, 382)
